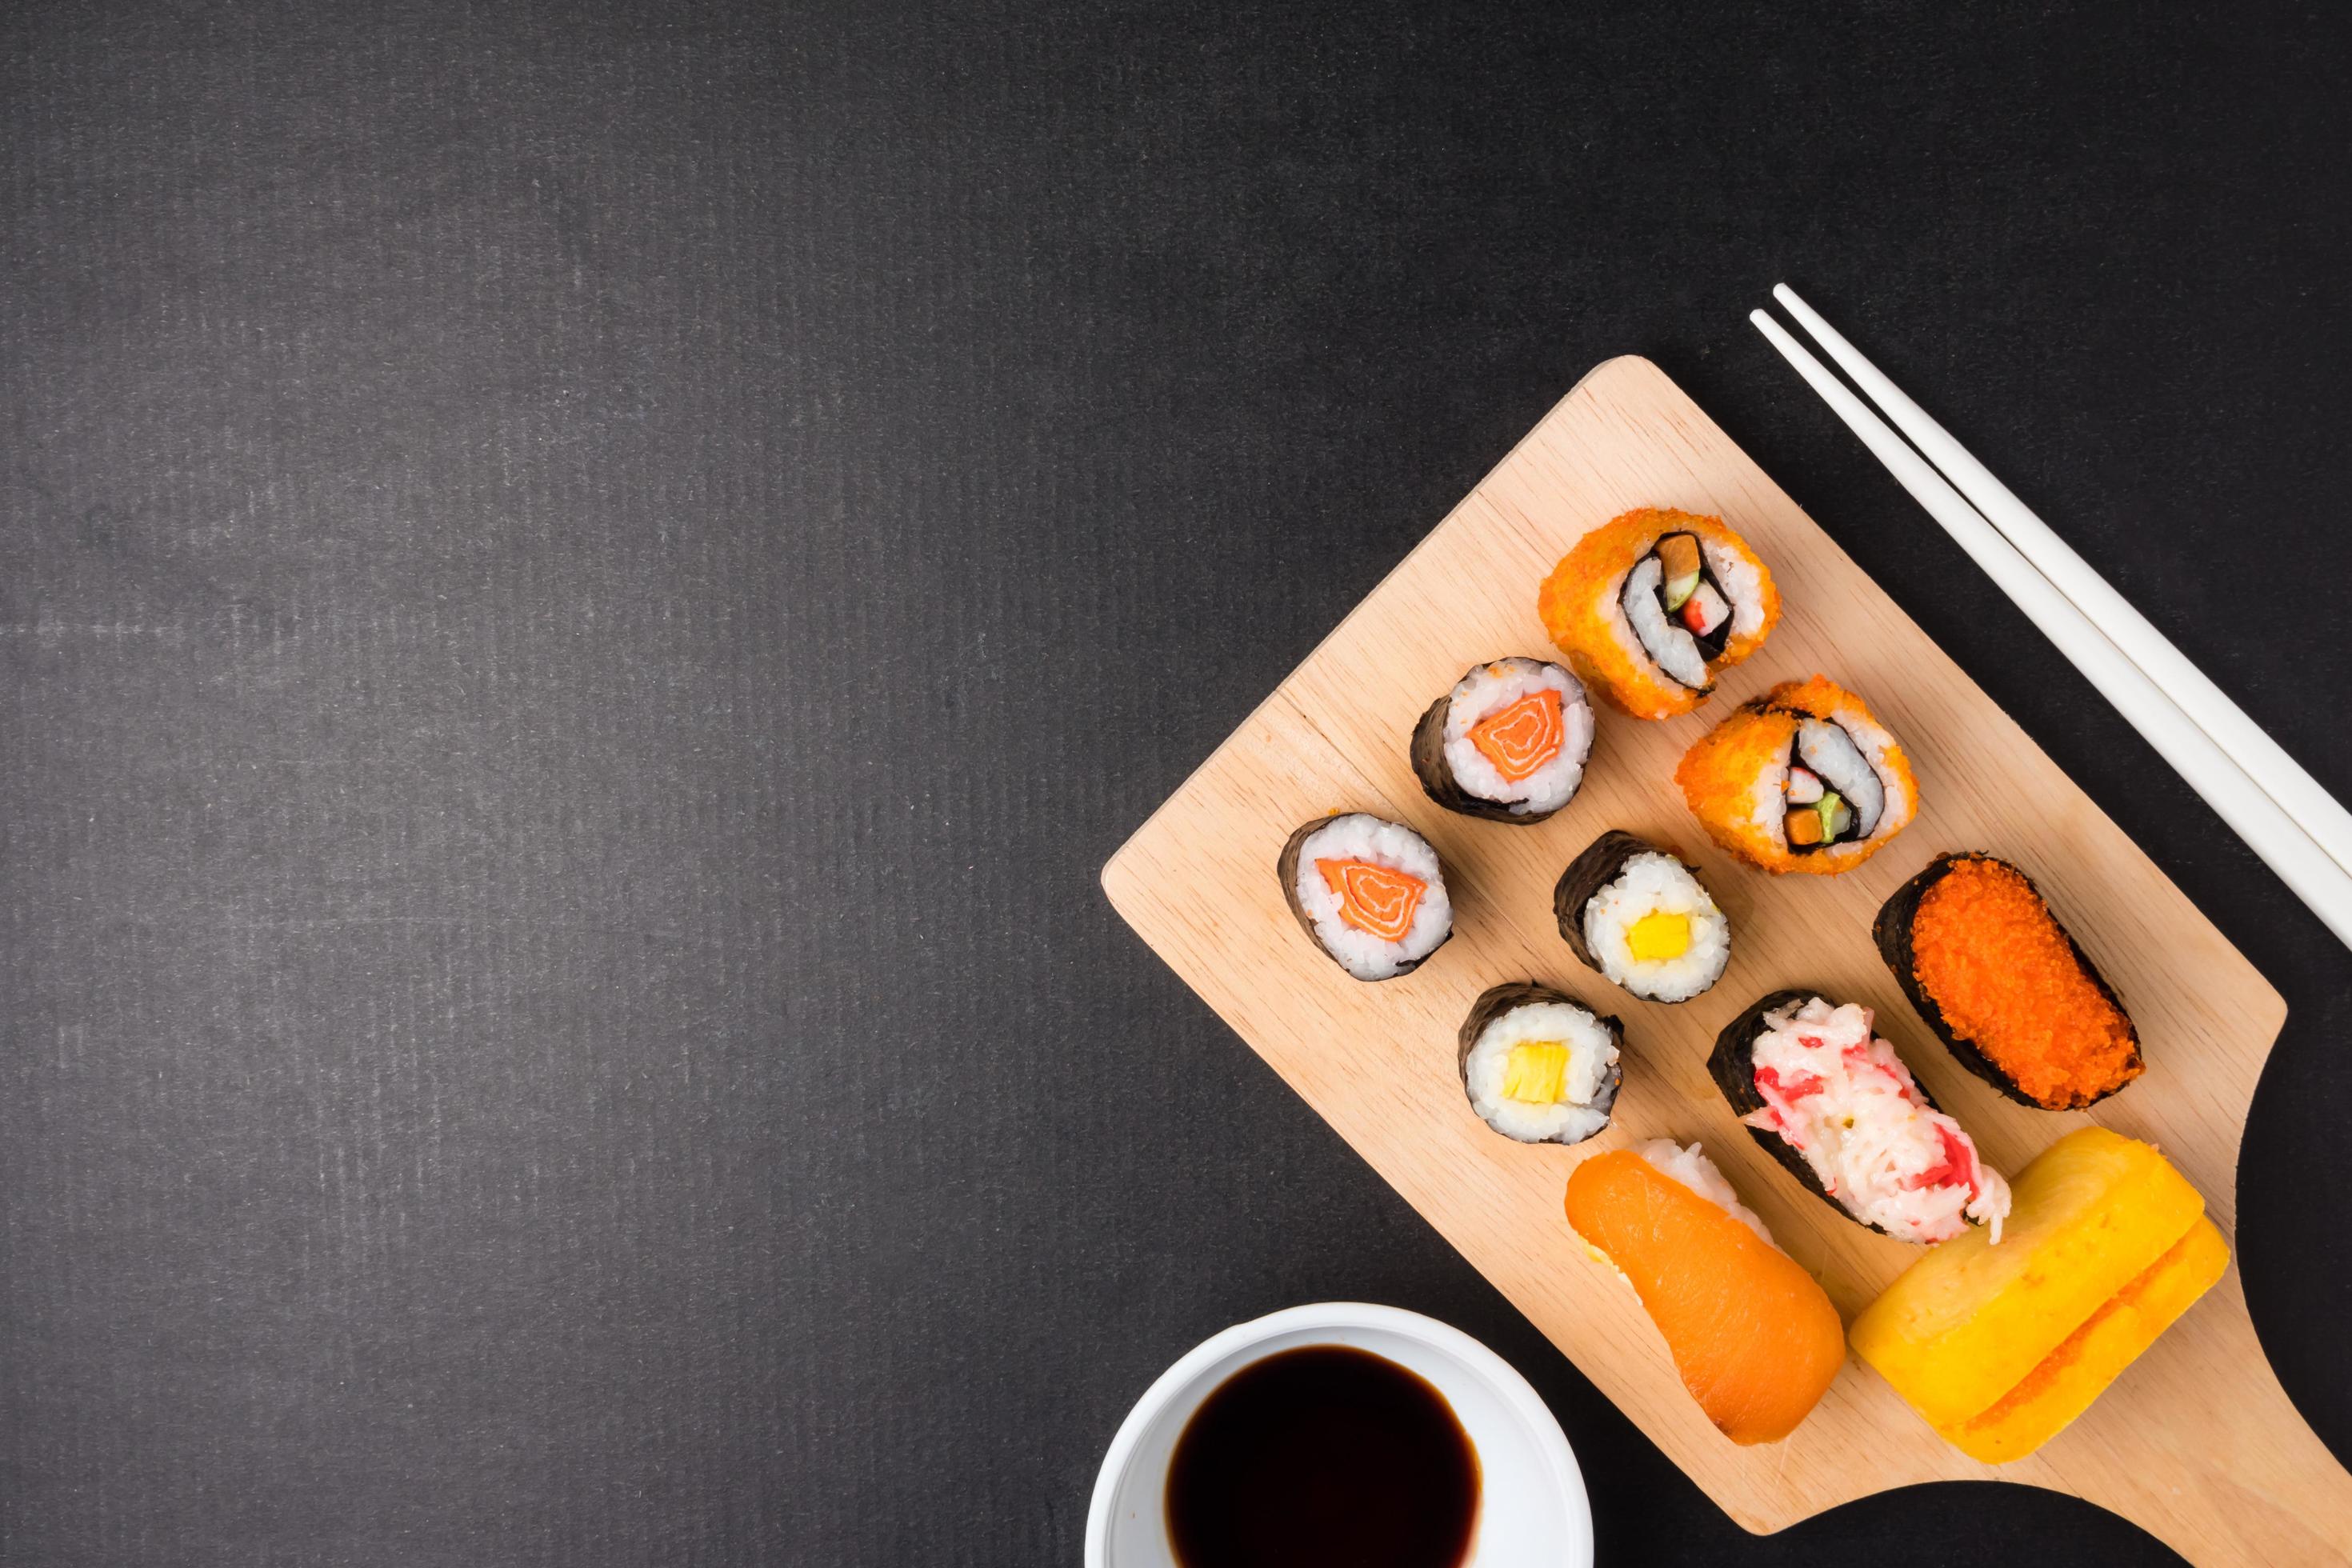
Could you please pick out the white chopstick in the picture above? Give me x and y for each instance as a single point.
(2261, 821)
(2278, 776)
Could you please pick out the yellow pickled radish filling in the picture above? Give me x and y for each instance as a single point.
(1535, 1073)
(1658, 936)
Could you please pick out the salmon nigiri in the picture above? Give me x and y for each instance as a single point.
(1754, 1336)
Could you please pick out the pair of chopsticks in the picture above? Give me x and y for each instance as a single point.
(2300, 831)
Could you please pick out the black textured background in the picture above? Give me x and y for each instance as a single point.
(584, 590)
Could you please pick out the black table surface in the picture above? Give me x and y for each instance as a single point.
(587, 589)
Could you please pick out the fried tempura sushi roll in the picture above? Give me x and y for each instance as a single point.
(1650, 607)
(1800, 779)
(1538, 1066)
(1370, 893)
(1814, 1084)
(1755, 1337)
(2004, 985)
(1507, 744)
(1642, 919)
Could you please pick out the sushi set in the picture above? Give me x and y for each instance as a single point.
(1653, 905)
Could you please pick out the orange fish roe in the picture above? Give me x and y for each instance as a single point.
(1996, 962)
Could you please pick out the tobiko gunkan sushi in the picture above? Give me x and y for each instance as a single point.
(2001, 983)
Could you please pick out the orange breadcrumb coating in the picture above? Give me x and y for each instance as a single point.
(1718, 778)
(1579, 605)
(1999, 967)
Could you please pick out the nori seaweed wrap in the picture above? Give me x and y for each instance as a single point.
(2036, 1018)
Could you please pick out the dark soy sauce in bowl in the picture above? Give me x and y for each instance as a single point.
(1324, 1454)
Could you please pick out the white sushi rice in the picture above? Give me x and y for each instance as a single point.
(1743, 583)
(1664, 644)
(1360, 836)
(1650, 883)
(1591, 1052)
(1694, 1169)
(1493, 687)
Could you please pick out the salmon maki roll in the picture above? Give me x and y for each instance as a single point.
(1652, 606)
(1800, 779)
(1507, 744)
(1372, 894)
(1755, 1339)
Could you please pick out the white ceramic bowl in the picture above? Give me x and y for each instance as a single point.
(1532, 1511)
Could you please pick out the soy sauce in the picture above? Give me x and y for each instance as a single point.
(1323, 1455)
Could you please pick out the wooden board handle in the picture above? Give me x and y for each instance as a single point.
(2246, 1480)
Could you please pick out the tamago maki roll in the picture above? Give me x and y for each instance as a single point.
(1538, 1066)
(1642, 919)
(1651, 605)
(1800, 779)
(1370, 893)
(1507, 744)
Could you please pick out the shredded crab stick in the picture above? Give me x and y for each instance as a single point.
(1846, 1102)
(1375, 899)
(1520, 738)
(1754, 1338)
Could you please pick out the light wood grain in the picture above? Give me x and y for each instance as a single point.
(2197, 1442)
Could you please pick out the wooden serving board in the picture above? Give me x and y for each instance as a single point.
(2196, 1442)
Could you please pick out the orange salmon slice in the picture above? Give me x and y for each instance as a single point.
(1522, 738)
(1755, 1337)
(1376, 899)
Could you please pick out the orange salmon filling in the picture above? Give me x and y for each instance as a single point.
(1522, 738)
(1375, 899)
(1989, 953)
